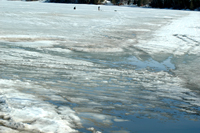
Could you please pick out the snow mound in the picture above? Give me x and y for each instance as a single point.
(28, 113)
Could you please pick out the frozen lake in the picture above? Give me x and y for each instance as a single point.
(118, 70)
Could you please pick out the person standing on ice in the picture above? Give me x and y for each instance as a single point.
(99, 8)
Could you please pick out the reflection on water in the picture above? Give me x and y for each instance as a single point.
(111, 92)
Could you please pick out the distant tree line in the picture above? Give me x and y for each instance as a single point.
(142, 2)
(78, 1)
(176, 4)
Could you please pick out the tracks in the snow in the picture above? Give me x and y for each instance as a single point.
(188, 43)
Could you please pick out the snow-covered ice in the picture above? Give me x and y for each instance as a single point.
(84, 70)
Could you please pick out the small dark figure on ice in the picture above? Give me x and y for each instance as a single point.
(99, 8)
(74, 8)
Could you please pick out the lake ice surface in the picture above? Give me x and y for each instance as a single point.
(84, 70)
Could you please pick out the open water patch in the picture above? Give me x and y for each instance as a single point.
(120, 61)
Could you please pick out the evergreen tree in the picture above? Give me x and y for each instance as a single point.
(114, 2)
(191, 5)
(139, 3)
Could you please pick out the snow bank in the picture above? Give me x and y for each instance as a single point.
(179, 37)
(27, 112)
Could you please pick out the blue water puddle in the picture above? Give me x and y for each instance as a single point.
(135, 124)
(129, 62)
(141, 123)
(155, 126)
(155, 65)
